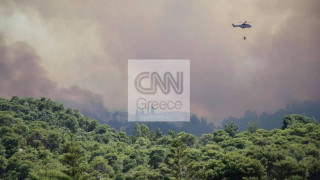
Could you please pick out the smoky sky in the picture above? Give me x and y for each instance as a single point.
(82, 47)
(22, 75)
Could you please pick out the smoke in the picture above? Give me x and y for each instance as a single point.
(22, 75)
(86, 44)
(20, 72)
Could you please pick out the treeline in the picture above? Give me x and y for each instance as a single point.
(196, 126)
(40, 139)
(200, 125)
(270, 121)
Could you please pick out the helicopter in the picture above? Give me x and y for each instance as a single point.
(243, 26)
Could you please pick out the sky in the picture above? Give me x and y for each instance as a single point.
(76, 52)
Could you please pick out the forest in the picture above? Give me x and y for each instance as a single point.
(43, 140)
(201, 125)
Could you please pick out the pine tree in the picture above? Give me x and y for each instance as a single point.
(73, 158)
(158, 133)
(176, 159)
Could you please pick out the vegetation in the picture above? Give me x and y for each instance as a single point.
(271, 121)
(196, 126)
(40, 139)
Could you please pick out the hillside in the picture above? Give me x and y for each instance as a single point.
(273, 120)
(40, 139)
(200, 125)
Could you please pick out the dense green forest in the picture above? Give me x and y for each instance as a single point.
(40, 139)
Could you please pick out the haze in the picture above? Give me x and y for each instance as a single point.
(77, 51)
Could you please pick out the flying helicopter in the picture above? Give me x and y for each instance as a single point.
(243, 26)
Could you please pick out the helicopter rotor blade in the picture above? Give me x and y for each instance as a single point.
(244, 22)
